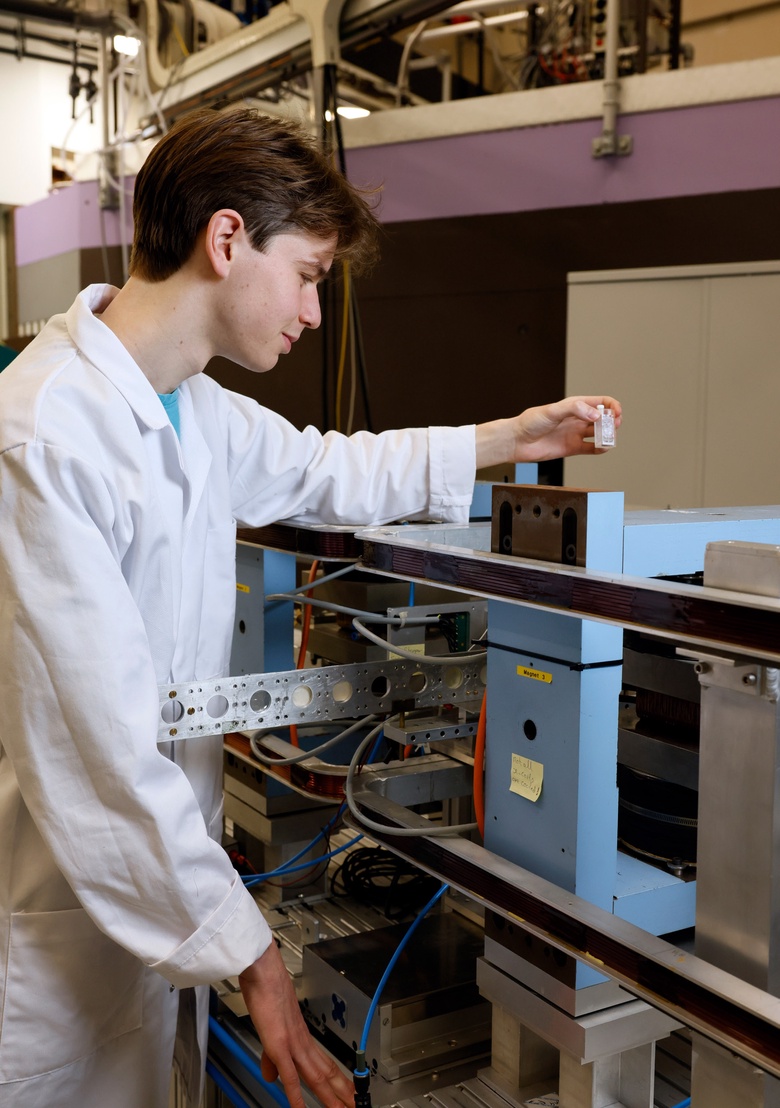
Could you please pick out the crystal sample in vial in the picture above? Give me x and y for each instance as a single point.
(604, 428)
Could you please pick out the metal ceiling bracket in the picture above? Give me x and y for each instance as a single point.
(608, 145)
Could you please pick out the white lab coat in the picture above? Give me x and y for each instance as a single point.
(117, 573)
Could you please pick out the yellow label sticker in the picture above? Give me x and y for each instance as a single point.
(527, 778)
(412, 647)
(242, 588)
(534, 674)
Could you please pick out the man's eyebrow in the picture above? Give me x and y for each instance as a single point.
(317, 266)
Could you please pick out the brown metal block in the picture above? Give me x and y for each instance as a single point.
(540, 521)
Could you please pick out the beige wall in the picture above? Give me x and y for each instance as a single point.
(731, 30)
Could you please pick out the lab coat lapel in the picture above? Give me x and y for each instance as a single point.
(196, 459)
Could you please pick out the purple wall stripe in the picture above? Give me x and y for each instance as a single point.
(67, 219)
(683, 152)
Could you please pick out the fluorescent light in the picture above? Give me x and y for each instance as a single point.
(347, 111)
(125, 44)
(351, 111)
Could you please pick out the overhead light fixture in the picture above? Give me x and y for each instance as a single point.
(126, 44)
(347, 111)
(351, 111)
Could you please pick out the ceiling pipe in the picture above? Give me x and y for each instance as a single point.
(268, 51)
(244, 40)
(98, 22)
(474, 25)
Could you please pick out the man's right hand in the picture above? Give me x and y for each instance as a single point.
(288, 1047)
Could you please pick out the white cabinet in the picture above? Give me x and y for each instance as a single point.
(693, 354)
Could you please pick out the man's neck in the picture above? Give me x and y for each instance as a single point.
(158, 324)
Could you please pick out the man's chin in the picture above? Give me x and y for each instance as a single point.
(264, 368)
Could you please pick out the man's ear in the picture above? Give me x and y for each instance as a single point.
(223, 232)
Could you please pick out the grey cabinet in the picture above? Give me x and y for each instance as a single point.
(693, 354)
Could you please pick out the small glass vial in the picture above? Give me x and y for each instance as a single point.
(604, 428)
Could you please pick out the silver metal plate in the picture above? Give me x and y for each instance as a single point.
(427, 727)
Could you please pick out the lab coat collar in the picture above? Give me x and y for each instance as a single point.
(102, 348)
(100, 345)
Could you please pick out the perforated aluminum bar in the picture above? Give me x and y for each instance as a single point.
(301, 696)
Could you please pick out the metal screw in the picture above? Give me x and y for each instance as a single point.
(750, 679)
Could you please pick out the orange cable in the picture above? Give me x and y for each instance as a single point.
(304, 640)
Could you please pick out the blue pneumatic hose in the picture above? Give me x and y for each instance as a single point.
(391, 964)
(222, 1083)
(252, 879)
(249, 1064)
(361, 1073)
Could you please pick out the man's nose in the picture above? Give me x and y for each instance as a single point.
(311, 314)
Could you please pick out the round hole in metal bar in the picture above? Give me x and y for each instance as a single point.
(453, 677)
(380, 686)
(418, 682)
(217, 706)
(342, 692)
(172, 711)
(302, 696)
(260, 700)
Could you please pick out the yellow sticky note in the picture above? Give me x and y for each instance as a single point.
(242, 588)
(412, 647)
(527, 778)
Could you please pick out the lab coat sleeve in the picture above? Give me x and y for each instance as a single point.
(279, 472)
(79, 704)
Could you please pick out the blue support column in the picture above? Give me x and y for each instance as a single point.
(551, 800)
(262, 633)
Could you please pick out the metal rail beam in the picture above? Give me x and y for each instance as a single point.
(714, 619)
(740, 1017)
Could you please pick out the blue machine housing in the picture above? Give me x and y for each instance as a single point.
(554, 688)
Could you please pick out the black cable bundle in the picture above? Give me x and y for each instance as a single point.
(374, 876)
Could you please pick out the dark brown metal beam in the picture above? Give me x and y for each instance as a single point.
(727, 1010)
(686, 613)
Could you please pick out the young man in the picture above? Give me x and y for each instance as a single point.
(117, 574)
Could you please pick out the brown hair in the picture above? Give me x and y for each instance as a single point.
(268, 170)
